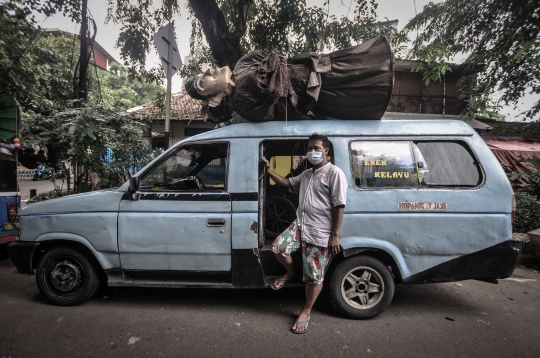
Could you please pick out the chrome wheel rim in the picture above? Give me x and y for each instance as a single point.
(362, 288)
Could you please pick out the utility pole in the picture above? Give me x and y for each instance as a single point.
(82, 90)
(168, 101)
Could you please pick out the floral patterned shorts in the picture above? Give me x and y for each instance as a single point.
(314, 258)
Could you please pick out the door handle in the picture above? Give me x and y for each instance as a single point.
(215, 222)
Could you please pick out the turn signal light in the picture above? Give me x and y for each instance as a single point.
(17, 229)
(12, 211)
(513, 208)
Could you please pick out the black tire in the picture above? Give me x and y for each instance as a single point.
(353, 286)
(66, 277)
(3, 251)
(35, 177)
(279, 214)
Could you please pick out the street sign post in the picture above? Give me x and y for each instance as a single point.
(171, 62)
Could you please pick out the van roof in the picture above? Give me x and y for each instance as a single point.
(340, 128)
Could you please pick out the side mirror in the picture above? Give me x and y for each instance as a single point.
(420, 164)
(134, 188)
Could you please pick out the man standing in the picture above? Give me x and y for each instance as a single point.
(322, 192)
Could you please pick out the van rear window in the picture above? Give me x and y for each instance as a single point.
(446, 164)
(413, 164)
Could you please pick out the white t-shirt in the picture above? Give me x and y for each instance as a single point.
(320, 191)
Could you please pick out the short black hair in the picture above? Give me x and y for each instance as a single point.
(189, 85)
(324, 139)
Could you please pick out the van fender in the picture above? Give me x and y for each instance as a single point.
(107, 260)
(355, 245)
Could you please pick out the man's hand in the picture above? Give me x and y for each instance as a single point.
(333, 244)
(266, 162)
(281, 181)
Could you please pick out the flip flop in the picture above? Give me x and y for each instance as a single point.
(284, 280)
(308, 321)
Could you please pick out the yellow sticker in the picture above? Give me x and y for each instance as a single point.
(391, 175)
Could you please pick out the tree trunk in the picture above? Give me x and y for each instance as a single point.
(225, 46)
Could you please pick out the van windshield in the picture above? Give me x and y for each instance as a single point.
(190, 168)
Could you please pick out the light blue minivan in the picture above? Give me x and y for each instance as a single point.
(427, 201)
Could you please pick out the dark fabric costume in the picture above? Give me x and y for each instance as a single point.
(353, 83)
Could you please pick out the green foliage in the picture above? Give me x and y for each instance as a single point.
(140, 19)
(290, 26)
(501, 37)
(114, 88)
(434, 62)
(284, 26)
(530, 175)
(231, 28)
(37, 68)
(83, 136)
(527, 195)
(527, 213)
(34, 67)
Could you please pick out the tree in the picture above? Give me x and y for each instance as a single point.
(139, 22)
(84, 135)
(114, 88)
(34, 66)
(38, 69)
(232, 27)
(499, 36)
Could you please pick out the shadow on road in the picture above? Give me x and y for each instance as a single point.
(428, 298)
(432, 298)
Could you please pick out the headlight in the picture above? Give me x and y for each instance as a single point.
(17, 228)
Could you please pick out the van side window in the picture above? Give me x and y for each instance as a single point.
(446, 164)
(383, 164)
(198, 167)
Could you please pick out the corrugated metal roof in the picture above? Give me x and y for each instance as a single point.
(97, 46)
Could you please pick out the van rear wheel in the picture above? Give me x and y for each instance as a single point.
(280, 213)
(66, 277)
(361, 287)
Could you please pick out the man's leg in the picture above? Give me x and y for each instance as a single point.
(312, 292)
(287, 262)
(282, 248)
(314, 260)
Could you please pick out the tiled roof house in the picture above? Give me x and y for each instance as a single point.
(186, 119)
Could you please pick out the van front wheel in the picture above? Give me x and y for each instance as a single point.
(66, 277)
(361, 287)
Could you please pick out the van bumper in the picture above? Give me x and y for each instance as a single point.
(21, 254)
(492, 263)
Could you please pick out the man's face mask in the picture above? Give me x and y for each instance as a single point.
(315, 158)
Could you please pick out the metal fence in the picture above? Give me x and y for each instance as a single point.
(108, 158)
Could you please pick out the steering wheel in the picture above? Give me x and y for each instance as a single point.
(199, 181)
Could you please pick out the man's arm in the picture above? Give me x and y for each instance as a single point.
(281, 181)
(337, 220)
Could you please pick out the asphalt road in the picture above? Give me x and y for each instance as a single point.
(467, 319)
